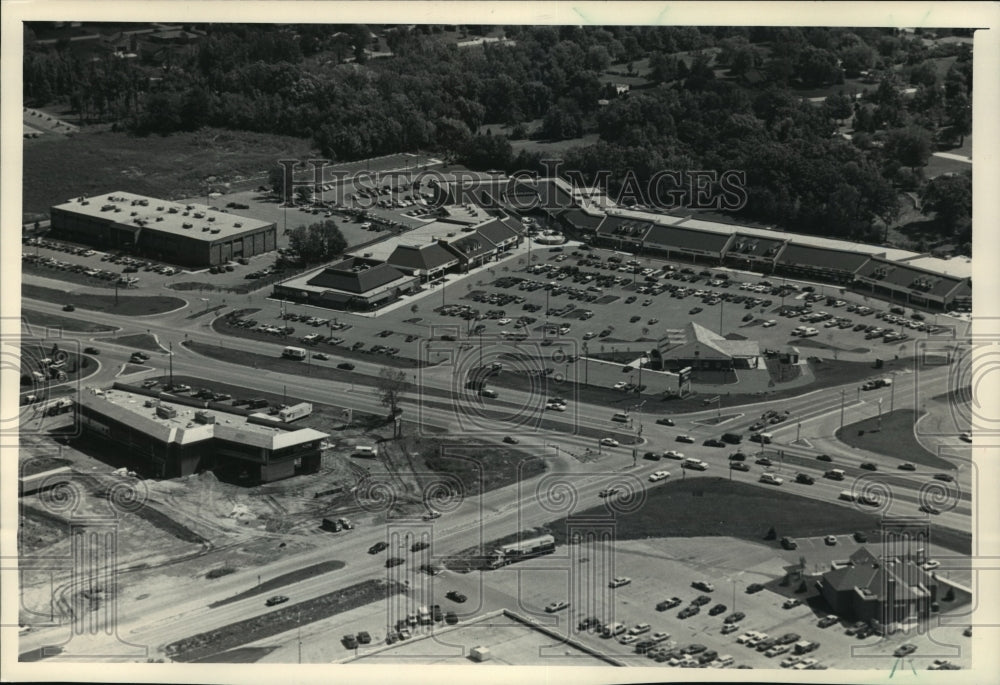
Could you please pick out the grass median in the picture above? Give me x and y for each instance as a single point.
(893, 437)
(202, 646)
(36, 318)
(127, 305)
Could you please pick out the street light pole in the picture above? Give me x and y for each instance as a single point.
(842, 393)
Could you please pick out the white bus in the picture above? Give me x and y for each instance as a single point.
(294, 353)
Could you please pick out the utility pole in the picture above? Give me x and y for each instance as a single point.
(586, 364)
(879, 414)
(171, 363)
(892, 393)
(842, 393)
(798, 431)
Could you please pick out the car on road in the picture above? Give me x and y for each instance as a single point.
(946, 477)
(824, 457)
(658, 476)
(456, 596)
(322, 356)
(364, 637)
(685, 438)
(804, 478)
(764, 461)
(668, 604)
(907, 466)
(91, 350)
(830, 540)
(965, 437)
(628, 639)
(347, 366)
(929, 509)
(701, 600)
(673, 454)
(431, 515)
(394, 561)
(730, 628)
(769, 323)
(619, 582)
(714, 442)
(277, 599)
(553, 607)
(378, 547)
(658, 637)
(608, 492)
(695, 310)
(734, 617)
(510, 440)
(417, 546)
(69, 308)
(665, 422)
(717, 609)
(589, 622)
(828, 621)
(739, 466)
(868, 466)
(905, 650)
(610, 442)
(771, 479)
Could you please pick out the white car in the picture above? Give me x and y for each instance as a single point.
(659, 637)
(673, 454)
(790, 661)
(619, 385)
(556, 606)
(628, 639)
(503, 322)
(769, 323)
(931, 565)
(556, 406)
(805, 663)
(658, 475)
(619, 582)
(610, 442)
(771, 479)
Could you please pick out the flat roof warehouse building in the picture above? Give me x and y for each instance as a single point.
(187, 234)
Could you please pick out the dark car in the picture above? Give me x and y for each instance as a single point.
(277, 599)
(665, 422)
(907, 467)
(695, 310)
(349, 641)
(378, 547)
(394, 561)
(436, 613)
(737, 456)
(589, 622)
(668, 604)
(417, 546)
(510, 440)
(694, 649)
(347, 366)
(824, 457)
(451, 618)
(764, 461)
(717, 609)
(868, 466)
(91, 350)
(652, 456)
(946, 477)
(860, 537)
(714, 442)
(739, 466)
(687, 612)
(456, 596)
(701, 600)
(754, 587)
(804, 478)
(69, 308)
(735, 617)
(364, 637)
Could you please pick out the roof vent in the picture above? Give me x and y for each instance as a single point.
(238, 225)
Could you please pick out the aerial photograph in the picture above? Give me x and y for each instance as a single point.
(553, 345)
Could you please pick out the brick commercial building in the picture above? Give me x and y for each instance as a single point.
(187, 234)
(164, 437)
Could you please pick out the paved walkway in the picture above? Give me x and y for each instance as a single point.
(952, 156)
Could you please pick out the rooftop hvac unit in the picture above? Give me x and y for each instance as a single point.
(144, 202)
(216, 230)
(107, 207)
(238, 225)
(199, 215)
(189, 207)
(204, 417)
(204, 228)
(160, 208)
(211, 218)
(172, 210)
(186, 213)
(159, 218)
(165, 411)
(186, 225)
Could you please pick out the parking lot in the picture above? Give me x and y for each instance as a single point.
(658, 570)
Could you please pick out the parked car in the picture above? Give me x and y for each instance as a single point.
(754, 588)
(668, 604)
(456, 596)
(735, 617)
(378, 547)
(830, 540)
(619, 582)
(394, 561)
(827, 621)
(553, 607)
(717, 609)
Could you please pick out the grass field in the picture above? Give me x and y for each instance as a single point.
(36, 318)
(895, 438)
(168, 167)
(133, 305)
(278, 621)
(68, 276)
(139, 341)
(281, 581)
